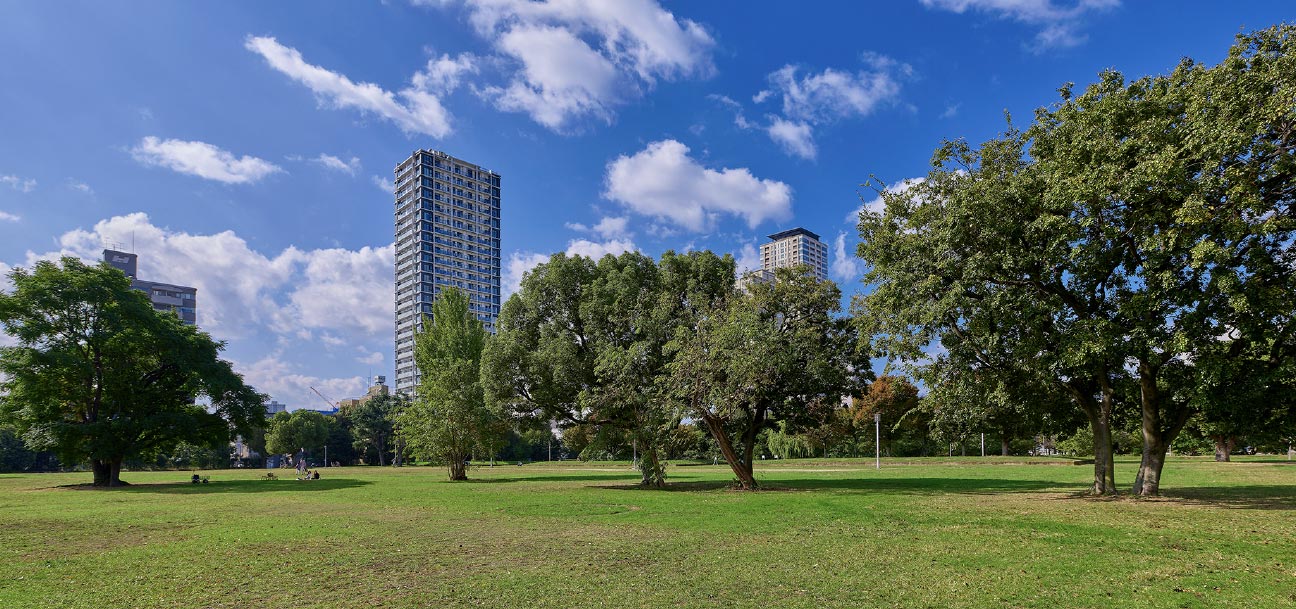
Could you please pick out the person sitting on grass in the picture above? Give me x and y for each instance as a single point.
(315, 475)
(195, 479)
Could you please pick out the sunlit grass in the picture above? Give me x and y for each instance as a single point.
(918, 533)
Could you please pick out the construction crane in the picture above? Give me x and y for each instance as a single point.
(335, 408)
(326, 400)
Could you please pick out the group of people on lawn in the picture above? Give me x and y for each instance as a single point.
(302, 472)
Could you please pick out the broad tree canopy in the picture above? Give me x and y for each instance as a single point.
(1139, 230)
(99, 375)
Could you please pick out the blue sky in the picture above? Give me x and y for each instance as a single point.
(246, 148)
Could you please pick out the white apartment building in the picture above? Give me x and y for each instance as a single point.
(791, 248)
(447, 235)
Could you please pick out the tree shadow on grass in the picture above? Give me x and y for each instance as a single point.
(908, 486)
(286, 485)
(607, 477)
(1252, 497)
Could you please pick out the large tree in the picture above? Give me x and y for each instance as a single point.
(98, 375)
(449, 418)
(582, 343)
(296, 431)
(373, 424)
(1120, 237)
(775, 356)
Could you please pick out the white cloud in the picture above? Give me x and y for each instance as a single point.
(242, 292)
(521, 262)
(331, 162)
(846, 268)
(420, 112)
(795, 138)
(662, 181)
(562, 77)
(581, 58)
(19, 184)
(822, 98)
(282, 381)
(607, 227)
(740, 119)
(442, 74)
(203, 160)
(1059, 24)
(834, 94)
(371, 358)
(345, 289)
(80, 187)
(8, 217)
(518, 264)
(387, 185)
(951, 110)
(599, 249)
(747, 259)
(257, 301)
(876, 204)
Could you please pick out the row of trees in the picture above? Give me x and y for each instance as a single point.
(630, 346)
(1132, 249)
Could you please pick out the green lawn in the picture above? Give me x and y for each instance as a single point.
(919, 533)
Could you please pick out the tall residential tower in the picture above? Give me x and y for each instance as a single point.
(447, 235)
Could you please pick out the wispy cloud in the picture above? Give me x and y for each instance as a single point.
(336, 164)
(816, 99)
(18, 183)
(8, 217)
(846, 268)
(1058, 24)
(203, 160)
(419, 111)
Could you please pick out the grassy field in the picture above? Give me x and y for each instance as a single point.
(919, 533)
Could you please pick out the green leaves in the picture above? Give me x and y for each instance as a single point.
(98, 374)
(1125, 232)
(449, 417)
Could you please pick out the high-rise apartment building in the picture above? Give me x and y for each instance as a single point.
(786, 249)
(182, 300)
(447, 235)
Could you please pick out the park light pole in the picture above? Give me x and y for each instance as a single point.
(877, 440)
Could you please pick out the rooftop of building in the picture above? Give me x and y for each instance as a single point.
(451, 157)
(792, 232)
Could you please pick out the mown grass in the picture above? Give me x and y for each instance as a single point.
(918, 533)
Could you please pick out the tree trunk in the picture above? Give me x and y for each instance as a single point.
(1104, 464)
(1099, 413)
(1004, 449)
(458, 469)
(1223, 447)
(107, 472)
(744, 474)
(1158, 433)
(102, 472)
(654, 473)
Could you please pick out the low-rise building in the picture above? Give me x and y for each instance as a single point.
(182, 300)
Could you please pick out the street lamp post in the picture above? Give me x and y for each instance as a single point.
(877, 440)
